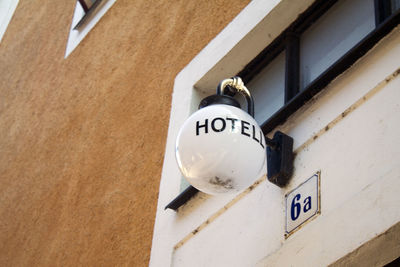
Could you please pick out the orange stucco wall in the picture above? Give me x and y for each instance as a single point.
(82, 139)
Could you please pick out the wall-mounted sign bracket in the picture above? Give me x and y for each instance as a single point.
(280, 159)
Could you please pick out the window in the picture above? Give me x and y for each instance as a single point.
(267, 88)
(318, 46)
(87, 14)
(338, 30)
(87, 4)
(384, 9)
(322, 43)
(89, 8)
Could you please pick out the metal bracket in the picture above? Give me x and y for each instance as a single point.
(182, 198)
(280, 159)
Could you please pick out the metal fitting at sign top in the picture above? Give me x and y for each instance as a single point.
(237, 84)
(234, 82)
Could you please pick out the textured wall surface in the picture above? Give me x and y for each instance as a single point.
(82, 139)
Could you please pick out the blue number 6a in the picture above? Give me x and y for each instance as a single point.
(295, 207)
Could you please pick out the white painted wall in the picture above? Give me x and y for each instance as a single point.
(7, 8)
(357, 155)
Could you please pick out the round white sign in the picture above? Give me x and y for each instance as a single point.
(221, 149)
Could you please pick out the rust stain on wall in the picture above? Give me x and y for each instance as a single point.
(350, 109)
(82, 139)
(221, 211)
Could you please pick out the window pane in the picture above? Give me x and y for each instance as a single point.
(331, 36)
(268, 89)
(394, 5)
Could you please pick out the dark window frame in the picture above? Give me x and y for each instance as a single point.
(294, 99)
(288, 40)
(383, 9)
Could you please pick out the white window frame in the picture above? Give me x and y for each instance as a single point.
(7, 9)
(77, 35)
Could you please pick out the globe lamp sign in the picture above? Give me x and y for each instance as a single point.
(220, 148)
